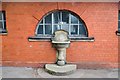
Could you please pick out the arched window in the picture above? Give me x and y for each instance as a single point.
(61, 19)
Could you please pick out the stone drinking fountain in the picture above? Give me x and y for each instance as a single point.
(60, 41)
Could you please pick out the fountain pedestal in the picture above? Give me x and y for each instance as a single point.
(60, 41)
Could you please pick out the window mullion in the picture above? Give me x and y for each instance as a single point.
(78, 27)
(60, 20)
(2, 21)
(43, 26)
(118, 20)
(69, 24)
(52, 22)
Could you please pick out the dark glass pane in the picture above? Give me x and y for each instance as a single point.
(80, 22)
(40, 29)
(48, 29)
(65, 17)
(56, 27)
(56, 17)
(41, 22)
(74, 19)
(1, 25)
(48, 18)
(119, 21)
(0, 15)
(65, 27)
(119, 25)
(82, 30)
(119, 15)
(74, 29)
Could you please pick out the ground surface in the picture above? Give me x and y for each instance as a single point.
(24, 72)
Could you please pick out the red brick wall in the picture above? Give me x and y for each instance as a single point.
(101, 20)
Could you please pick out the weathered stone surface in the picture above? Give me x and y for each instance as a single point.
(60, 70)
(61, 41)
(61, 36)
(61, 63)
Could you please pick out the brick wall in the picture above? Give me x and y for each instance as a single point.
(21, 19)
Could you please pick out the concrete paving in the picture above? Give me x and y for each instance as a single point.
(24, 72)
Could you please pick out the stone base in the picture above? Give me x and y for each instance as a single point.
(60, 70)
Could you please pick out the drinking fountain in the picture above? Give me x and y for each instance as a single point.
(60, 41)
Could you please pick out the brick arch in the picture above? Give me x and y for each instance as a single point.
(39, 14)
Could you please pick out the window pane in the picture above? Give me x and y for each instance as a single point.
(119, 21)
(48, 18)
(48, 29)
(74, 19)
(119, 15)
(80, 23)
(74, 29)
(118, 25)
(65, 27)
(0, 15)
(40, 29)
(65, 17)
(56, 27)
(56, 17)
(82, 30)
(41, 22)
(1, 25)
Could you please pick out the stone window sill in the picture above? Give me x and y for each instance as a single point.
(118, 33)
(3, 32)
(86, 39)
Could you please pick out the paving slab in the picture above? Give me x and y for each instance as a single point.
(18, 72)
(24, 72)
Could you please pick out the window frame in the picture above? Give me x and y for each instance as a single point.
(3, 30)
(80, 22)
